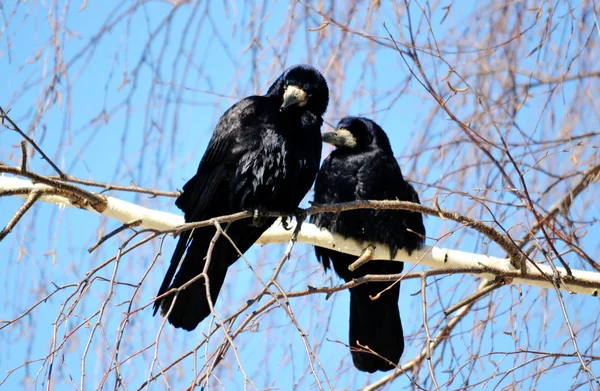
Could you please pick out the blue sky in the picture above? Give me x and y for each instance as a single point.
(143, 113)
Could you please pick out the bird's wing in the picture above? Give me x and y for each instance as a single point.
(222, 150)
(380, 178)
(335, 183)
(200, 196)
(324, 191)
(200, 189)
(330, 188)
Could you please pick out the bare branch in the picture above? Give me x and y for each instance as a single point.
(486, 266)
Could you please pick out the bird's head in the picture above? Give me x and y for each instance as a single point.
(357, 134)
(301, 86)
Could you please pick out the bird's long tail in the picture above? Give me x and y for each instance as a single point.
(191, 306)
(175, 259)
(376, 324)
(191, 303)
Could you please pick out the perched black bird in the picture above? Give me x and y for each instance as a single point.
(264, 155)
(363, 167)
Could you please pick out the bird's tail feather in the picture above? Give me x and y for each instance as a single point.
(177, 255)
(376, 324)
(191, 305)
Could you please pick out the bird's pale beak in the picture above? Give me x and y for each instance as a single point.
(293, 95)
(329, 138)
(340, 138)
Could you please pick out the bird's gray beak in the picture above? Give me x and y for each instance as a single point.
(293, 95)
(330, 138)
(340, 138)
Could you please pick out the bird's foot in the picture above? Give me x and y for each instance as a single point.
(300, 213)
(285, 222)
(259, 217)
(300, 216)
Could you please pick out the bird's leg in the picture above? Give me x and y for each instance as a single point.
(258, 216)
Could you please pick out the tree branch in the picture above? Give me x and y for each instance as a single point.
(537, 274)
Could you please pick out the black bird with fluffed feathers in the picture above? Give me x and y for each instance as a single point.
(363, 167)
(264, 154)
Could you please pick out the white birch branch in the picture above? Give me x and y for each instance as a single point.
(482, 265)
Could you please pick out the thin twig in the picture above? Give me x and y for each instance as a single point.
(113, 233)
(500, 281)
(33, 197)
(23, 156)
(13, 126)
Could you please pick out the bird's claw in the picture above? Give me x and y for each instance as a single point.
(299, 214)
(285, 222)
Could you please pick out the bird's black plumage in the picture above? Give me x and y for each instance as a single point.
(264, 155)
(363, 167)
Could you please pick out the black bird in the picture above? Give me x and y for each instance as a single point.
(264, 155)
(363, 167)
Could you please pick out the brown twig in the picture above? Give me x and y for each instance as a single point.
(493, 285)
(33, 197)
(111, 186)
(78, 195)
(23, 156)
(590, 175)
(113, 233)
(13, 126)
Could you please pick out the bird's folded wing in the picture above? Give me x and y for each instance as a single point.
(199, 191)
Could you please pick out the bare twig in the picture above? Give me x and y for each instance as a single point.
(31, 199)
(4, 117)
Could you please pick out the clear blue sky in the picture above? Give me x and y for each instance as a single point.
(158, 124)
